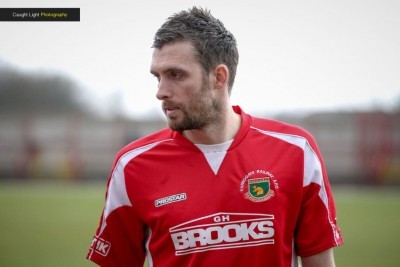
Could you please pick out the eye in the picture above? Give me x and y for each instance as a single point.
(176, 74)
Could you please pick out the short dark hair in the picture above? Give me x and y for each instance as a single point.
(214, 44)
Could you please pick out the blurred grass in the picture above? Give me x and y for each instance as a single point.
(48, 225)
(44, 225)
(369, 219)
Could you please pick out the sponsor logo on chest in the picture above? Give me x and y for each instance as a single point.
(169, 199)
(223, 231)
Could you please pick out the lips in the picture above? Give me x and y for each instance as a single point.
(171, 112)
(170, 109)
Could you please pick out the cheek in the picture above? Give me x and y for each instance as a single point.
(194, 90)
(190, 93)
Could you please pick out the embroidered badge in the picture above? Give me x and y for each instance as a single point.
(259, 189)
(256, 188)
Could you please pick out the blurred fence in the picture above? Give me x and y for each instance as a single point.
(64, 146)
(357, 147)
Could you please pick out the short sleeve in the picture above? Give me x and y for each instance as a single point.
(121, 243)
(121, 235)
(316, 228)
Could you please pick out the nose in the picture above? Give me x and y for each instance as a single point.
(163, 91)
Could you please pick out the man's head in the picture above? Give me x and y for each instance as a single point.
(213, 43)
(191, 99)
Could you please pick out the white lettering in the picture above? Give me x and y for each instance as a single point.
(170, 199)
(225, 218)
(222, 218)
(237, 232)
(197, 235)
(21, 15)
(266, 229)
(180, 240)
(229, 233)
(214, 237)
(102, 247)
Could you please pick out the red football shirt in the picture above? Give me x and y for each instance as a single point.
(261, 200)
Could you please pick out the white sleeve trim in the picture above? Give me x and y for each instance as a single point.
(312, 164)
(312, 169)
(117, 195)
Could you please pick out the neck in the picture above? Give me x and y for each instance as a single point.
(217, 132)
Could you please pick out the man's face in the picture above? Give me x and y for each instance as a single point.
(184, 89)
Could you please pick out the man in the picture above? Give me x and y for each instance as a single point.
(218, 187)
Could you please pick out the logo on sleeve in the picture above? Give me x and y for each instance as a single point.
(258, 185)
(100, 246)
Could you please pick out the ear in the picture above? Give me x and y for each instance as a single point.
(221, 74)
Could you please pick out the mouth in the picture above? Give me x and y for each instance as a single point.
(170, 110)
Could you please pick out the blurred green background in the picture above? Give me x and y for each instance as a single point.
(44, 224)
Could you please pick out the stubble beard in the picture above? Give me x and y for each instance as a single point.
(202, 111)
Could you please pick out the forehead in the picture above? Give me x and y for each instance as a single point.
(177, 55)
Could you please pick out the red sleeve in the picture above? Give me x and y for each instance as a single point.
(121, 243)
(121, 236)
(316, 227)
(316, 232)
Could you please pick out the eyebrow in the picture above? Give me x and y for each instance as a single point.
(171, 69)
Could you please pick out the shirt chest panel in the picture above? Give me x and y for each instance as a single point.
(183, 187)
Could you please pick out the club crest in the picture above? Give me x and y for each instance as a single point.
(258, 189)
